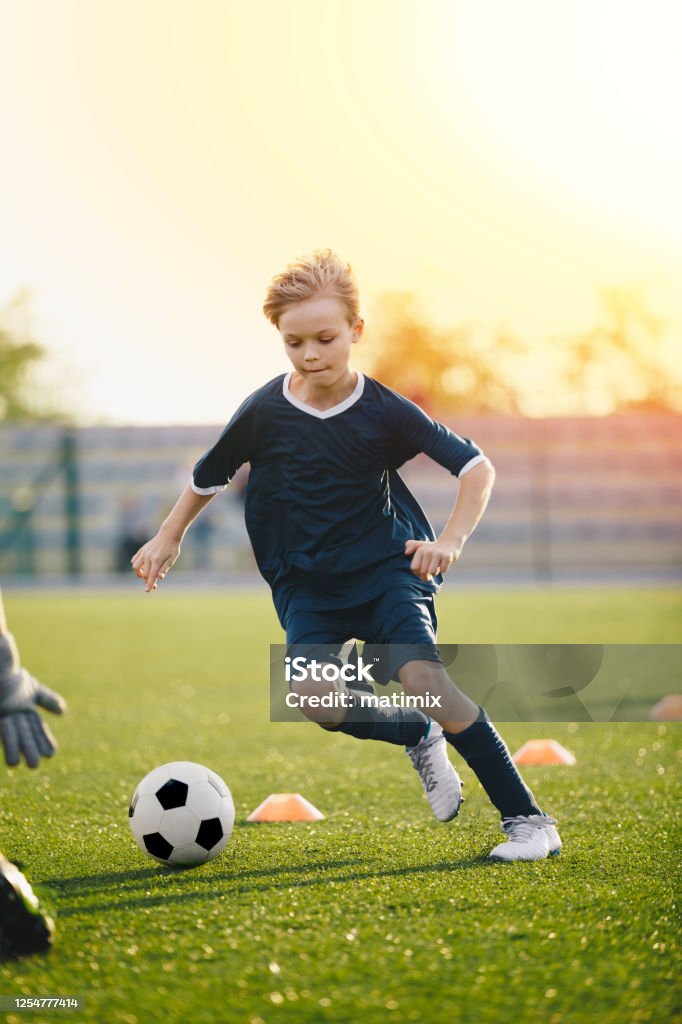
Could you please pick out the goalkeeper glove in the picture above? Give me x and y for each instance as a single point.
(22, 730)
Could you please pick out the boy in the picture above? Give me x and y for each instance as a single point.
(346, 548)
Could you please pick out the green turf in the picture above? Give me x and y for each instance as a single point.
(378, 913)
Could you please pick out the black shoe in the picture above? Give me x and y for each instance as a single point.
(24, 928)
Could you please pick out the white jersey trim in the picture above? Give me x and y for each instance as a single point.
(477, 459)
(207, 490)
(323, 414)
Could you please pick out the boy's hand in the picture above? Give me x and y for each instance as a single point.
(155, 558)
(430, 557)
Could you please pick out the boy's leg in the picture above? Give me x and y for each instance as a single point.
(531, 833)
(351, 713)
(469, 730)
(320, 636)
(413, 658)
(363, 719)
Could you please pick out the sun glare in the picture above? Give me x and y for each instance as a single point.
(587, 91)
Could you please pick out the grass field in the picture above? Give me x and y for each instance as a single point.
(378, 913)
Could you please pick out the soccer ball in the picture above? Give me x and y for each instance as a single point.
(181, 814)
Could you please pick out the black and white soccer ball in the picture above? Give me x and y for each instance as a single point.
(182, 814)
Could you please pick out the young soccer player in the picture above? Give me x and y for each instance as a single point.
(346, 548)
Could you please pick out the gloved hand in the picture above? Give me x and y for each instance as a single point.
(22, 731)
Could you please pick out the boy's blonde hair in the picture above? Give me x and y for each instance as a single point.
(320, 273)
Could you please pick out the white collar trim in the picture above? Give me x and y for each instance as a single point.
(323, 414)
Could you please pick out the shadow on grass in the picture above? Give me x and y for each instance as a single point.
(183, 875)
(262, 880)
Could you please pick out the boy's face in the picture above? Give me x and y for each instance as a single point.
(318, 338)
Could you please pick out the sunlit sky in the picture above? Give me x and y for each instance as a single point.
(162, 160)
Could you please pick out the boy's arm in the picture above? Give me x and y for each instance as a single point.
(431, 557)
(155, 558)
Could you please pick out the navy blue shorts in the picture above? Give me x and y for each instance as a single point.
(397, 627)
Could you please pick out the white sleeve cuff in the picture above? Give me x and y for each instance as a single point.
(206, 490)
(476, 461)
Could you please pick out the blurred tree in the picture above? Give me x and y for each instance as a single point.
(467, 368)
(458, 369)
(620, 365)
(19, 352)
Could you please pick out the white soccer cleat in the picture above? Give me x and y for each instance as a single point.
(440, 781)
(531, 837)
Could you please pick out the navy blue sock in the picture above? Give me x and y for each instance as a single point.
(488, 756)
(403, 726)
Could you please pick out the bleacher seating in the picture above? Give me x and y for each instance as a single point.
(598, 493)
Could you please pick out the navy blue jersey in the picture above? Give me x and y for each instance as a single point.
(326, 510)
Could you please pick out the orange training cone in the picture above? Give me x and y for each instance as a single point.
(543, 752)
(668, 709)
(285, 807)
